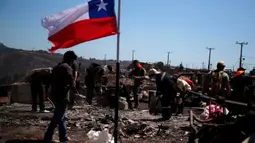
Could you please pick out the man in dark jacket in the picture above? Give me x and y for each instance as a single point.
(167, 87)
(138, 71)
(62, 82)
(40, 78)
(240, 82)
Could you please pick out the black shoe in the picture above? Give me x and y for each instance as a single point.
(47, 141)
(65, 140)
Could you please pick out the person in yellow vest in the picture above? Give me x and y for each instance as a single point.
(218, 81)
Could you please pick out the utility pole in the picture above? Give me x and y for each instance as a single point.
(105, 59)
(133, 55)
(203, 65)
(241, 52)
(209, 58)
(167, 62)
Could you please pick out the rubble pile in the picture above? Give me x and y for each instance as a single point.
(127, 81)
(149, 86)
(134, 126)
(112, 80)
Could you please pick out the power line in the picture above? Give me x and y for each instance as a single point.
(209, 57)
(241, 52)
(249, 57)
(247, 66)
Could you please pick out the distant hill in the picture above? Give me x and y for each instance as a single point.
(14, 63)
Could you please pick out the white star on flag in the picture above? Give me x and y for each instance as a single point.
(102, 5)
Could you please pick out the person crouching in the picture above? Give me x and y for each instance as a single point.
(37, 80)
(167, 87)
(183, 87)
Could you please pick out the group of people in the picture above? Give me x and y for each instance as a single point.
(62, 80)
(240, 88)
(219, 84)
(167, 87)
(60, 84)
(216, 84)
(43, 78)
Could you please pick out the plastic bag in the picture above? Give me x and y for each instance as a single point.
(100, 136)
(213, 108)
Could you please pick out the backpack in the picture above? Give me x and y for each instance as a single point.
(216, 81)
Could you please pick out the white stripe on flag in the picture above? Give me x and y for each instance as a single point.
(58, 21)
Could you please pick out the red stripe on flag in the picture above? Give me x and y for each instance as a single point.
(83, 31)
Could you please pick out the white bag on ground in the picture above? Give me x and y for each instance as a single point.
(100, 136)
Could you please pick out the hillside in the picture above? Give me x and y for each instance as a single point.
(14, 63)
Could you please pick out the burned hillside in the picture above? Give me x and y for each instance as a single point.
(14, 63)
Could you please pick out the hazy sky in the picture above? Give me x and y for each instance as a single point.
(150, 27)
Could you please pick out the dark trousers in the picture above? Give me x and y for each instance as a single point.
(37, 91)
(237, 132)
(167, 103)
(125, 91)
(90, 94)
(59, 119)
(239, 97)
(136, 89)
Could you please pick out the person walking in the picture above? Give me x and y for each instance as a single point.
(62, 82)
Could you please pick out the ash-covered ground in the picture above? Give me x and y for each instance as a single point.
(17, 123)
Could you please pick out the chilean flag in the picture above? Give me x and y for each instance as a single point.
(89, 21)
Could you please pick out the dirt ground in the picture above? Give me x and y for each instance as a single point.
(18, 124)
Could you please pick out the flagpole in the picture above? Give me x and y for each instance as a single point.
(116, 119)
